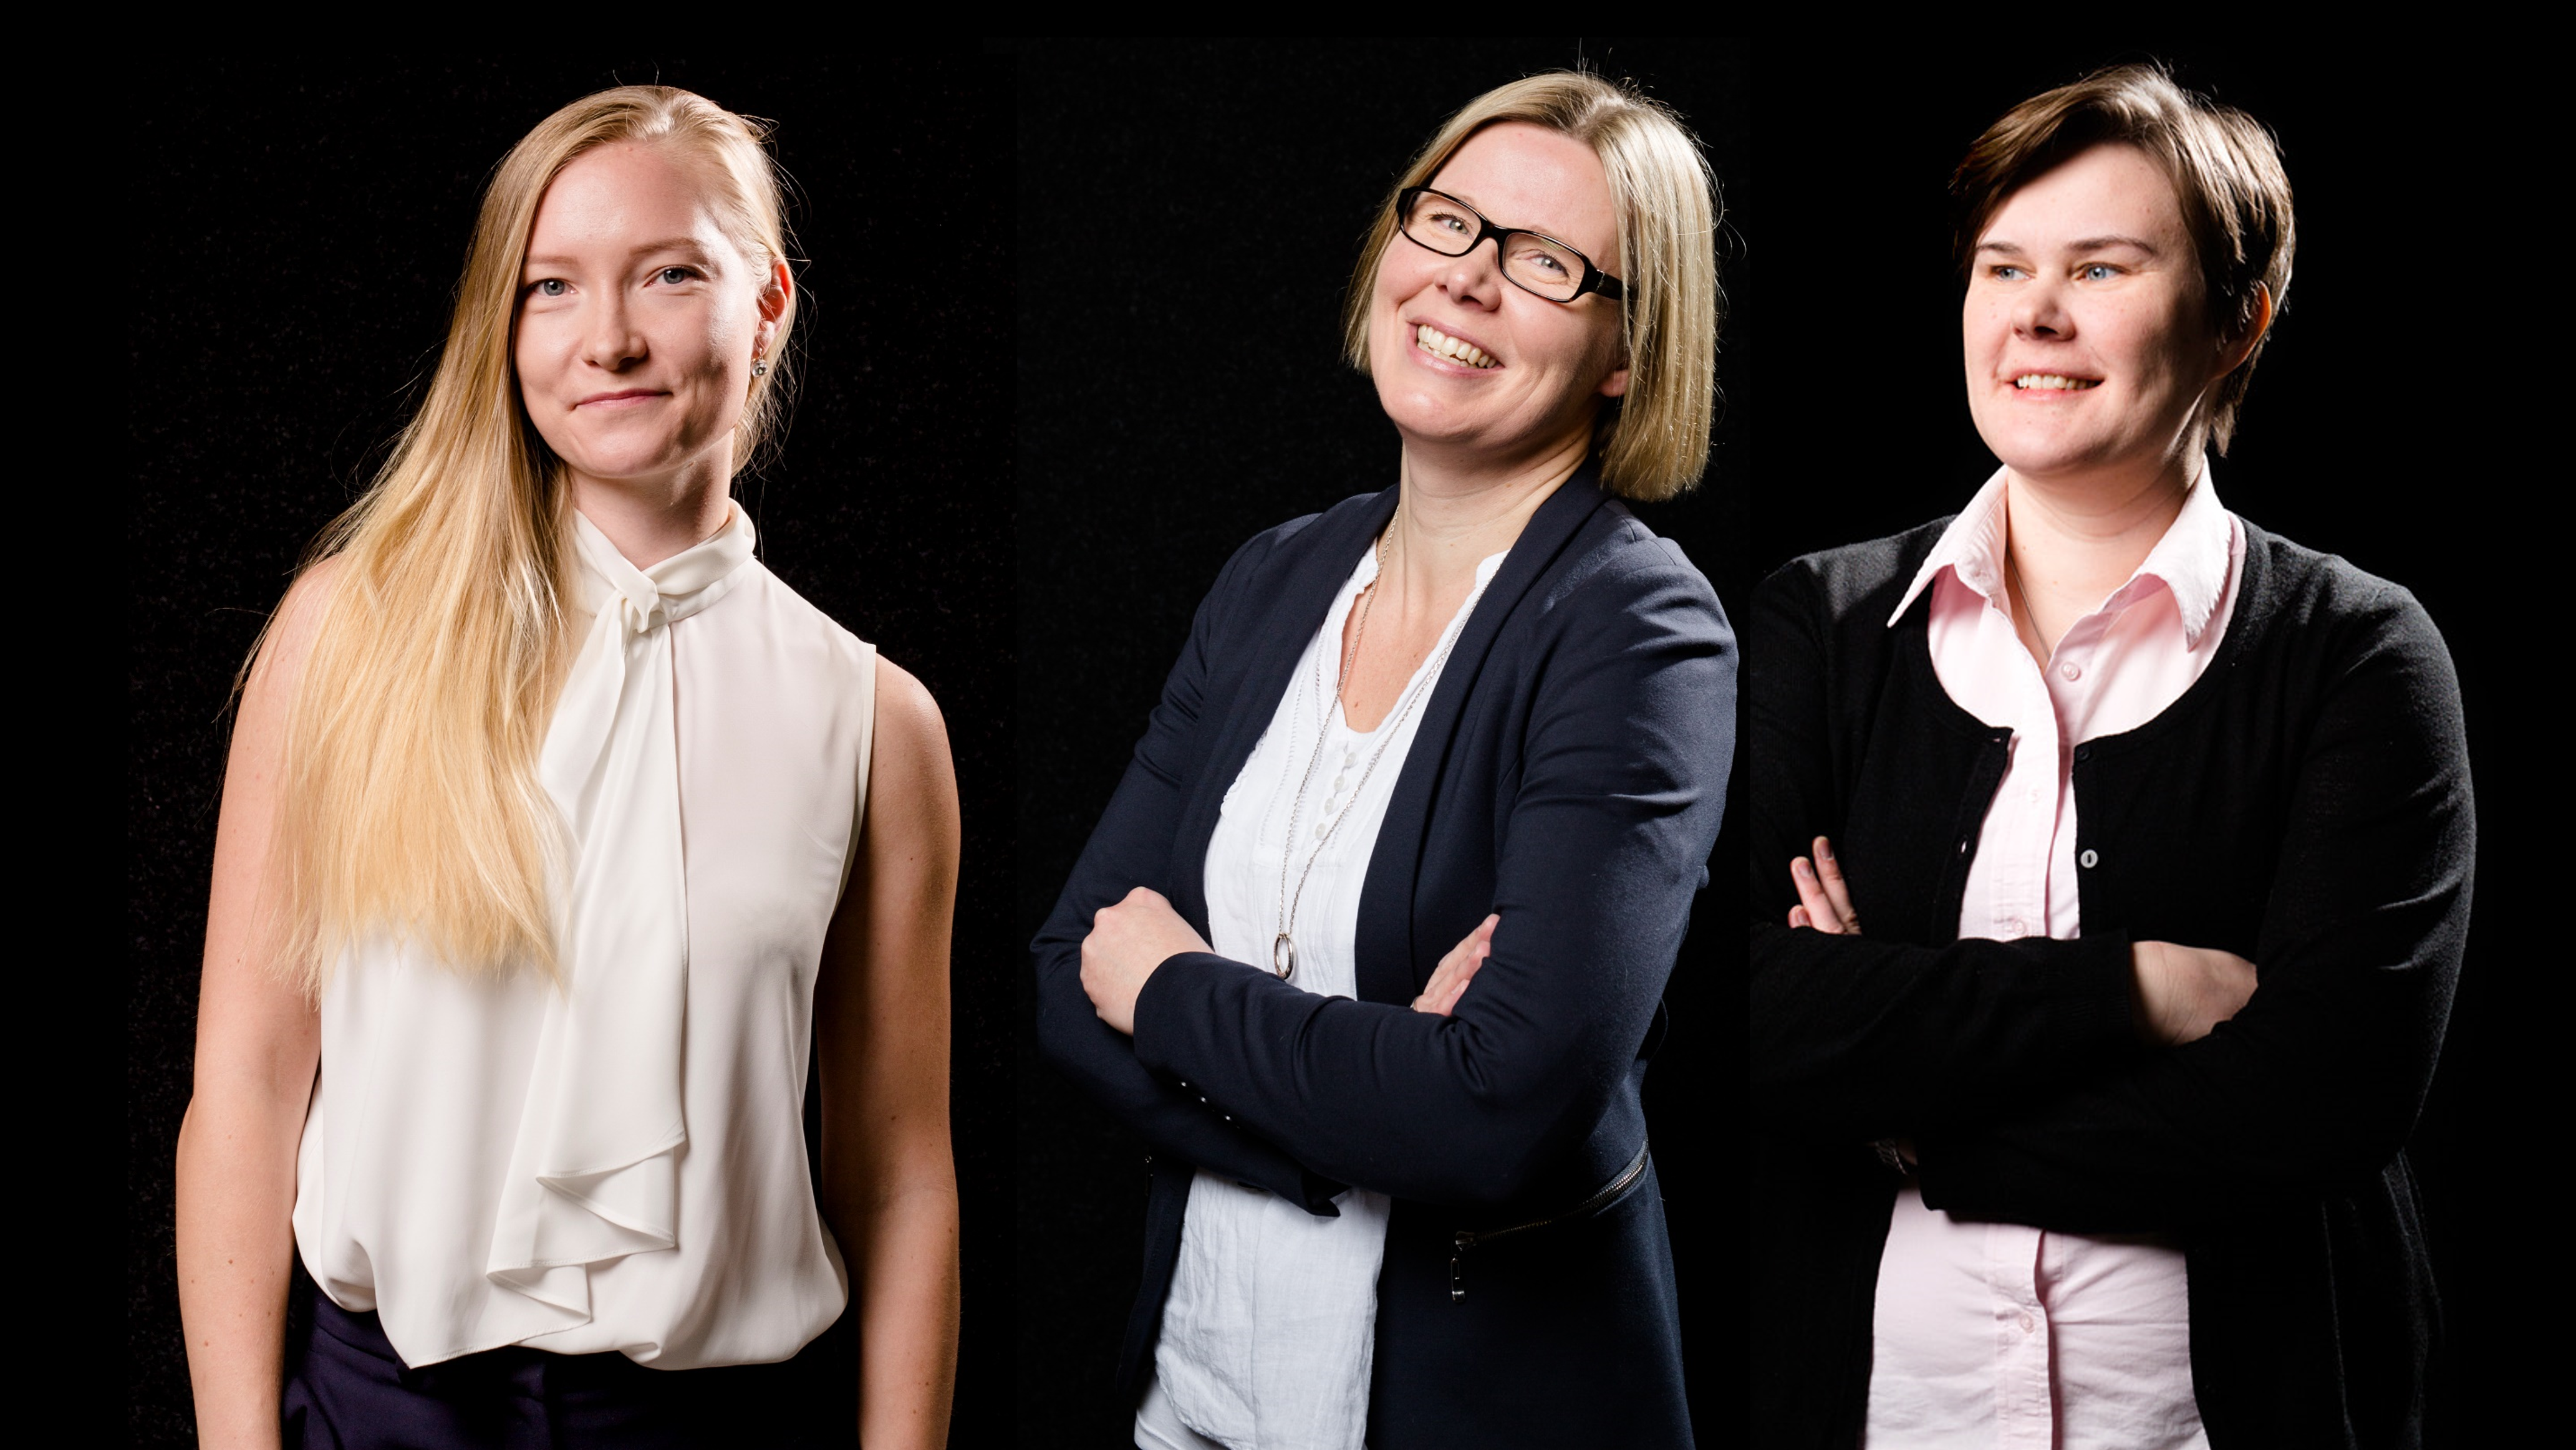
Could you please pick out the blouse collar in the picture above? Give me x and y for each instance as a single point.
(2190, 560)
(673, 589)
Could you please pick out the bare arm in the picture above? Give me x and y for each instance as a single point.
(259, 1043)
(881, 1012)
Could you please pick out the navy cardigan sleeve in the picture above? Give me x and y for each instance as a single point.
(2319, 1079)
(1131, 848)
(1601, 837)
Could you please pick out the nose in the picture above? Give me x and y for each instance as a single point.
(610, 340)
(1476, 279)
(2039, 310)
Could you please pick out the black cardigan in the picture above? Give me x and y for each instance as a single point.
(1568, 772)
(2305, 804)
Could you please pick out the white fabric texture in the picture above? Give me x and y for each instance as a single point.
(1270, 1323)
(619, 1163)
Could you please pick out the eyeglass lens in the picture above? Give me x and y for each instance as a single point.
(1451, 229)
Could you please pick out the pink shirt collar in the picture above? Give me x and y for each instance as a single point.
(2191, 560)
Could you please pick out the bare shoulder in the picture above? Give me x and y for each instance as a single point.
(912, 778)
(288, 640)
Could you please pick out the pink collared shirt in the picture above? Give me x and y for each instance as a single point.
(2000, 1336)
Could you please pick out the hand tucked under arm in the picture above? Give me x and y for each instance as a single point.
(1127, 942)
(2179, 993)
(1449, 980)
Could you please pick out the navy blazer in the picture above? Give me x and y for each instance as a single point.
(1568, 773)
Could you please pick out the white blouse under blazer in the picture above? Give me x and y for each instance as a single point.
(619, 1163)
(1269, 1328)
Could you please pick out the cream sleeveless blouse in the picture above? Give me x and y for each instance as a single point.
(619, 1163)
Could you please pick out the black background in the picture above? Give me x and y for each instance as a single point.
(1018, 470)
(2368, 433)
(1175, 402)
(297, 242)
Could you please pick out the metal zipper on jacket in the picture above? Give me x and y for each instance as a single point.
(1469, 1238)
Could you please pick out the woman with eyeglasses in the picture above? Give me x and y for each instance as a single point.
(1371, 941)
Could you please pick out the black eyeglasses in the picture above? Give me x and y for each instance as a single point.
(1533, 261)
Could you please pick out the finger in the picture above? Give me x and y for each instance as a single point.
(1811, 894)
(1830, 872)
(1798, 916)
(1484, 933)
(1449, 999)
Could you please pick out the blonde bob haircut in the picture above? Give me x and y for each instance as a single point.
(1653, 443)
(410, 799)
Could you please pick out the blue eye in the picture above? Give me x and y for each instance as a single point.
(550, 287)
(2100, 272)
(2006, 272)
(674, 276)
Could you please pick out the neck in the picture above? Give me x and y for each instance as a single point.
(1451, 520)
(2087, 537)
(2068, 545)
(651, 519)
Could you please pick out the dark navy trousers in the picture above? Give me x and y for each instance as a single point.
(346, 1389)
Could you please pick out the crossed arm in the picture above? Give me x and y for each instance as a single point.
(2015, 1069)
(1622, 777)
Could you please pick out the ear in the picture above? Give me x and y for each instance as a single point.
(775, 291)
(2232, 352)
(1616, 385)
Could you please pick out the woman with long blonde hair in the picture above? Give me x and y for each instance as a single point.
(555, 827)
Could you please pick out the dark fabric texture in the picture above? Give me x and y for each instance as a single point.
(2306, 804)
(346, 1389)
(1569, 772)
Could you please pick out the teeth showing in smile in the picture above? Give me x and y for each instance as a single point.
(2052, 380)
(1440, 344)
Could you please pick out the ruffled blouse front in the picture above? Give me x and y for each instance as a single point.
(619, 1163)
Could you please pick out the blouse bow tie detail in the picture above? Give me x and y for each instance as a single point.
(593, 1173)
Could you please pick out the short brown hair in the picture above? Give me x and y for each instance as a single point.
(1652, 443)
(2225, 168)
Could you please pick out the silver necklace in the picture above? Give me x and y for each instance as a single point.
(1283, 946)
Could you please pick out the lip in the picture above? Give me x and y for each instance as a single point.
(1412, 324)
(626, 397)
(2005, 383)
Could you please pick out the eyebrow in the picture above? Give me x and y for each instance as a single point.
(2085, 244)
(689, 245)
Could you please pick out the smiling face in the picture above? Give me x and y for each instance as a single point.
(2090, 354)
(638, 320)
(1466, 363)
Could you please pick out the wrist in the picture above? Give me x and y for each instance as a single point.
(2147, 968)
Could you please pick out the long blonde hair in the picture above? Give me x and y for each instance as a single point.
(1653, 443)
(411, 802)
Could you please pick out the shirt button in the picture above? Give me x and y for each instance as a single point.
(2089, 860)
(2027, 1324)
(2012, 929)
(2071, 671)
